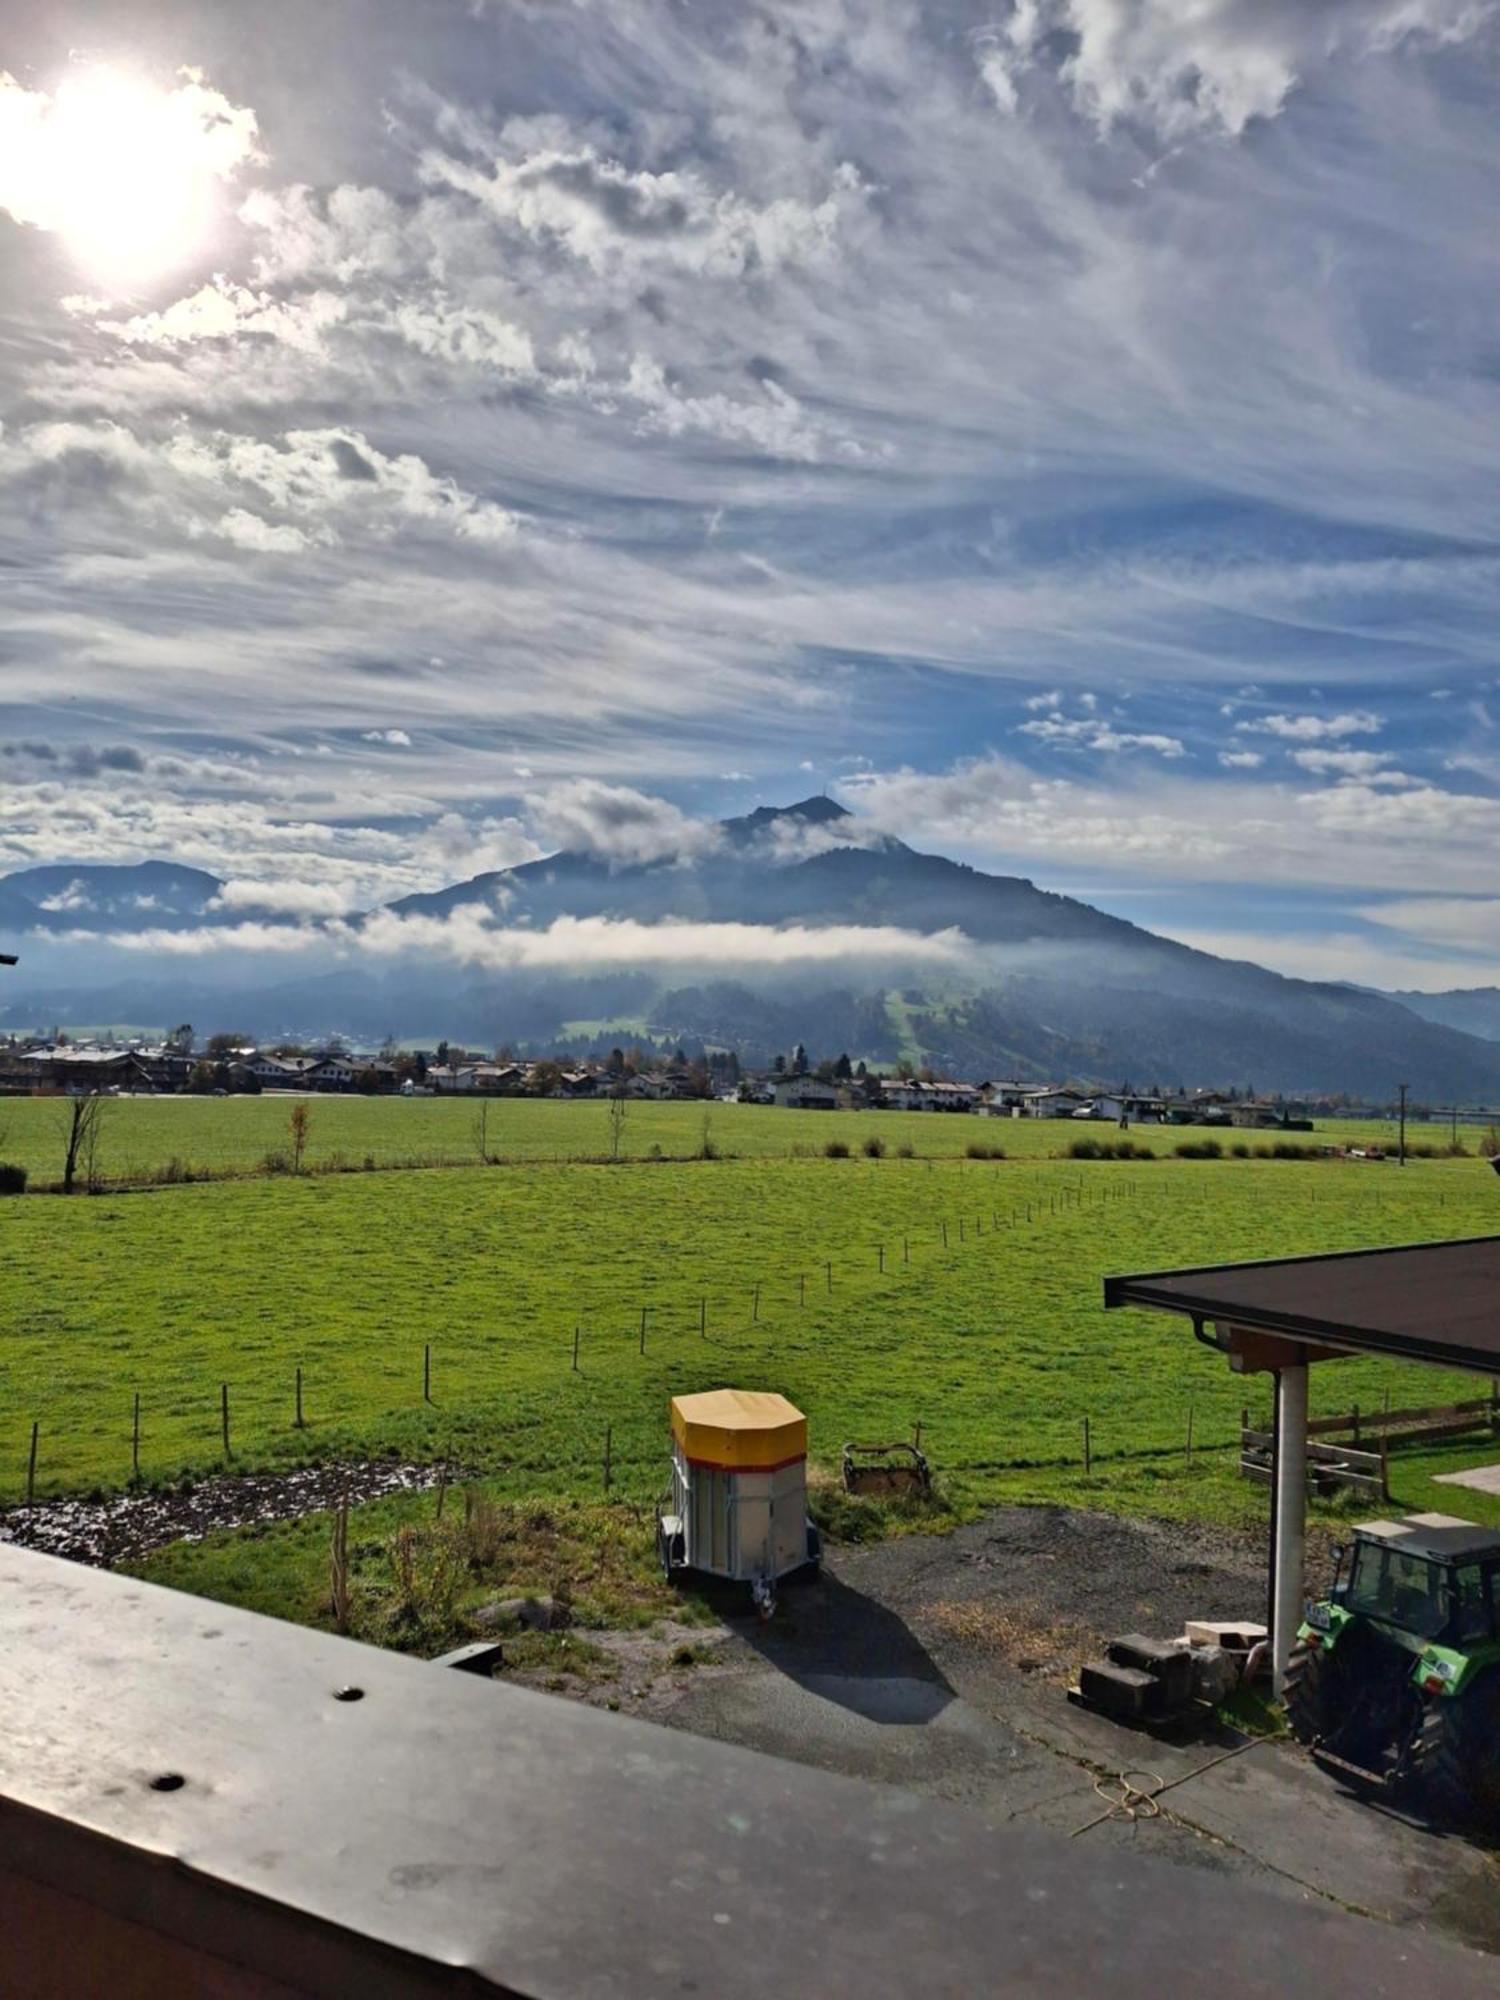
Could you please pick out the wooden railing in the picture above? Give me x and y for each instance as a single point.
(1353, 1448)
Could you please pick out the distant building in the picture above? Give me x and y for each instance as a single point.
(907, 1094)
(805, 1093)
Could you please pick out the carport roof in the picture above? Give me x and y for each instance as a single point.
(1433, 1302)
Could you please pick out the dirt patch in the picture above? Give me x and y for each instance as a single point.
(1023, 1636)
(644, 1672)
(1061, 1571)
(130, 1525)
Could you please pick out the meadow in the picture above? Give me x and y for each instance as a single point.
(142, 1137)
(878, 1294)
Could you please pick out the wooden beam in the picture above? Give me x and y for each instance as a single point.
(1254, 1353)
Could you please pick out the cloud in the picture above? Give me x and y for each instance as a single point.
(82, 760)
(285, 898)
(330, 482)
(397, 738)
(469, 936)
(1464, 923)
(207, 941)
(1241, 760)
(617, 824)
(72, 896)
(349, 233)
(464, 334)
(1183, 70)
(1367, 764)
(1360, 959)
(606, 214)
(1315, 728)
(1090, 732)
(221, 311)
(1357, 833)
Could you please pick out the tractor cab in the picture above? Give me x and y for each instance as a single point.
(1428, 1580)
(1396, 1675)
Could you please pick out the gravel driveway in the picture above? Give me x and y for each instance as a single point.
(939, 1663)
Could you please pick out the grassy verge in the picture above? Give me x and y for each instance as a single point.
(184, 1138)
(877, 1294)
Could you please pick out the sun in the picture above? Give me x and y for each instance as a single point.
(126, 173)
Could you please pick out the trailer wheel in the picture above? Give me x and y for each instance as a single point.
(1459, 1758)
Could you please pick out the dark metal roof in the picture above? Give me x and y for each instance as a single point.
(1433, 1302)
(206, 1777)
(1447, 1545)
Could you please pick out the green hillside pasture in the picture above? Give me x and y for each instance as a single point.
(997, 1344)
(218, 1135)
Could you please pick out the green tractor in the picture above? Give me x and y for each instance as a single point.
(1395, 1678)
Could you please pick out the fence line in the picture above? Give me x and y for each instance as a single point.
(1073, 1196)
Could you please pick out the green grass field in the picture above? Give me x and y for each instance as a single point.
(996, 1343)
(140, 1135)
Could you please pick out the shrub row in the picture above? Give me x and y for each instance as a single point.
(1110, 1149)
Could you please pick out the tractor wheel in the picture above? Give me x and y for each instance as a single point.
(1459, 1759)
(1311, 1682)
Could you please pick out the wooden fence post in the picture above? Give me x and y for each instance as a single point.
(299, 1399)
(135, 1439)
(1088, 1454)
(643, 1329)
(609, 1435)
(224, 1414)
(576, 1332)
(880, 1254)
(1189, 1452)
(427, 1372)
(31, 1467)
(702, 1318)
(828, 1273)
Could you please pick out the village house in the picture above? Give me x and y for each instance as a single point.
(907, 1094)
(581, 1083)
(85, 1069)
(805, 1093)
(444, 1078)
(1051, 1102)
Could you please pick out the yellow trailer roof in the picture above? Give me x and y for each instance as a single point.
(748, 1429)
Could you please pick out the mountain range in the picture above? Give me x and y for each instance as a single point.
(1026, 983)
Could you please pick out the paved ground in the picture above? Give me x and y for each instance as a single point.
(1482, 1478)
(939, 1663)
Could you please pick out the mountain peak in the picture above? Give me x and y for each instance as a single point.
(819, 808)
(819, 811)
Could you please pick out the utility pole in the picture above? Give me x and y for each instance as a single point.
(1401, 1152)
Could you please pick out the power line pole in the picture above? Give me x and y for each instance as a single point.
(1401, 1155)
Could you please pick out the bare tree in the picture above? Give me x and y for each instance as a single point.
(617, 1108)
(482, 1132)
(297, 1125)
(85, 1115)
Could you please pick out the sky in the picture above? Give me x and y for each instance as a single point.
(1063, 430)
